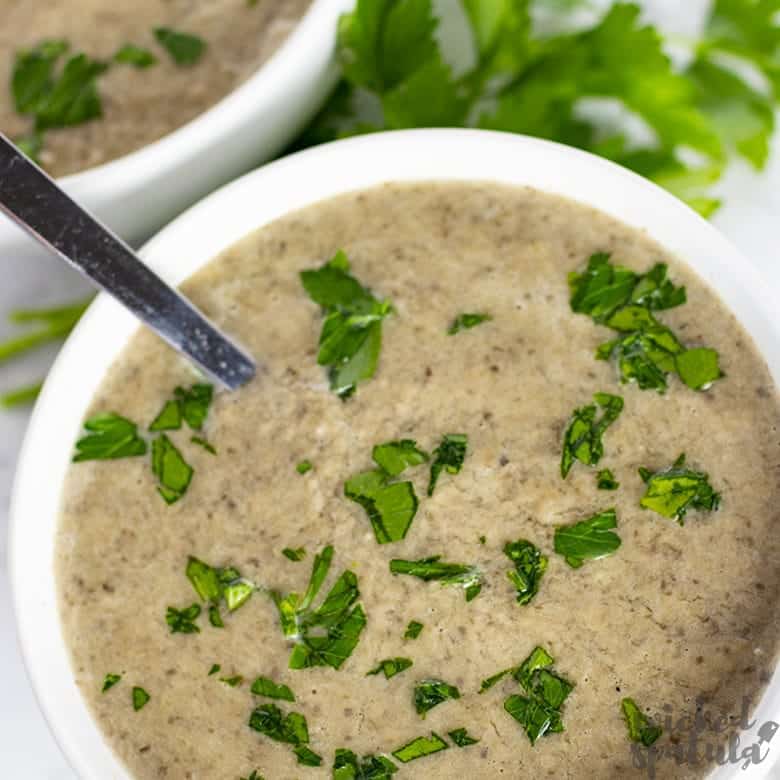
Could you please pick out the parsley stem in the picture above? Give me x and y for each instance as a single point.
(20, 397)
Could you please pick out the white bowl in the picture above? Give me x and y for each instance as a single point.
(143, 190)
(217, 222)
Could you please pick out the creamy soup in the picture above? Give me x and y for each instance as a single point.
(140, 106)
(677, 617)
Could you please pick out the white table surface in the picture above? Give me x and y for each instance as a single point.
(750, 218)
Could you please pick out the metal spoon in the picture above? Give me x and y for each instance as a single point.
(35, 202)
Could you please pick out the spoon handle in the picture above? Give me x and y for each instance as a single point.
(35, 202)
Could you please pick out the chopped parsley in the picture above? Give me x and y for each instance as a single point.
(295, 555)
(646, 350)
(605, 480)
(254, 776)
(215, 585)
(466, 322)
(413, 630)
(390, 667)
(603, 288)
(215, 618)
(640, 729)
(347, 766)
(394, 457)
(182, 621)
(172, 471)
(433, 568)
(214, 669)
(583, 438)
(539, 711)
(185, 49)
(188, 404)
(448, 456)
(205, 444)
(110, 436)
(430, 693)
(232, 682)
(137, 56)
(462, 738)
(351, 335)
(140, 698)
(262, 686)
(390, 506)
(676, 490)
(589, 539)
(290, 729)
(489, 682)
(420, 747)
(530, 566)
(56, 97)
(304, 467)
(327, 635)
(110, 681)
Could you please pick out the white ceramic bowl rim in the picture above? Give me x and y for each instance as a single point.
(229, 214)
(218, 120)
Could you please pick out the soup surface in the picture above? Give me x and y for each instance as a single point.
(140, 105)
(678, 617)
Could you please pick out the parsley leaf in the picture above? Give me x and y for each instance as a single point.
(170, 468)
(420, 747)
(602, 288)
(304, 467)
(431, 693)
(605, 480)
(698, 368)
(639, 727)
(448, 456)
(262, 686)
(290, 729)
(295, 555)
(185, 49)
(325, 636)
(214, 585)
(205, 444)
(539, 711)
(413, 630)
(530, 566)
(56, 100)
(676, 490)
(110, 681)
(347, 766)
(589, 539)
(232, 682)
(433, 568)
(582, 440)
(182, 621)
(462, 738)
(390, 507)
(254, 776)
(394, 457)
(390, 667)
(191, 405)
(111, 436)
(351, 335)
(214, 669)
(137, 56)
(466, 322)
(140, 698)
